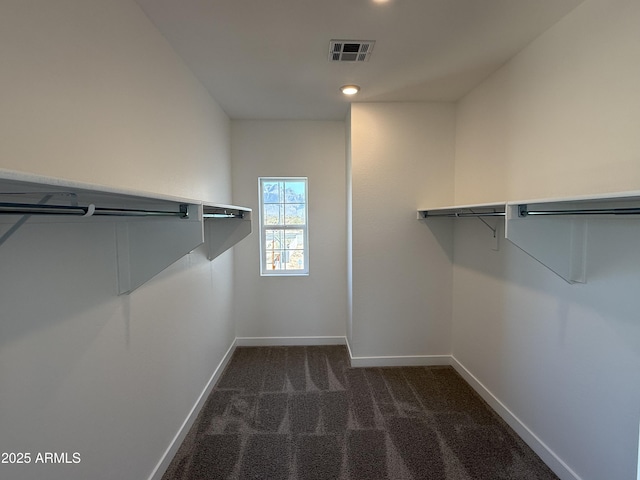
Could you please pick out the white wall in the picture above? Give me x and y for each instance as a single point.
(563, 358)
(559, 119)
(401, 159)
(312, 306)
(91, 92)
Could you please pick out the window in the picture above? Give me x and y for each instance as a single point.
(284, 240)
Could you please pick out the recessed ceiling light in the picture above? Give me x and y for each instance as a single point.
(350, 89)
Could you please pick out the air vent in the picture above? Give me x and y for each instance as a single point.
(350, 50)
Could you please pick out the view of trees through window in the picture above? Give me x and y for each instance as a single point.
(284, 225)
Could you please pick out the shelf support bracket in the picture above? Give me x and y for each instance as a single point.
(493, 229)
(22, 220)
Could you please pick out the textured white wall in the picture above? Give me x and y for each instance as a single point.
(563, 358)
(91, 92)
(293, 306)
(401, 159)
(559, 119)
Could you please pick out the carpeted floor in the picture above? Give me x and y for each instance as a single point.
(301, 413)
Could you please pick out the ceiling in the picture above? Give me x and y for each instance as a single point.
(268, 59)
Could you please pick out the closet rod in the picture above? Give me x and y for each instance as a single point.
(222, 215)
(221, 212)
(524, 212)
(30, 209)
(464, 214)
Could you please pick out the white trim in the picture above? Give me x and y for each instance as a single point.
(288, 341)
(638, 474)
(547, 455)
(175, 444)
(400, 361)
(349, 348)
(397, 361)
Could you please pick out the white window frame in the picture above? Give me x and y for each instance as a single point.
(264, 267)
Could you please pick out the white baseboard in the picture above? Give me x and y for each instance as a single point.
(547, 455)
(171, 451)
(401, 361)
(288, 341)
(398, 361)
(390, 361)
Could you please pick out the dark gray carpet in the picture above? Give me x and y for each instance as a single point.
(301, 413)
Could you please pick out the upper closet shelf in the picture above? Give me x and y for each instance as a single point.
(152, 231)
(460, 211)
(553, 231)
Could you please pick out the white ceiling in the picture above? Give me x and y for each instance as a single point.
(268, 59)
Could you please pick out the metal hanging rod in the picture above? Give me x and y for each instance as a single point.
(223, 215)
(216, 212)
(88, 211)
(523, 211)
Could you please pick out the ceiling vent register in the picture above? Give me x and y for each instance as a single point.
(350, 50)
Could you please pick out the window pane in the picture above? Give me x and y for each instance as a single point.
(294, 192)
(294, 214)
(294, 244)
(294, 260)
(272, 192)
(274, 260)
(294, 239)
(273, 214)
(274, 239)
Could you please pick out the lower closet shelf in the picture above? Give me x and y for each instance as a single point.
(554, 230)
(151, 231)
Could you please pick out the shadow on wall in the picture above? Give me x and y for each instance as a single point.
(52, 273)
(442, 231)
(612, 266)
(58, 292)
(56, 273)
